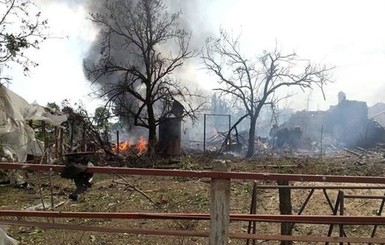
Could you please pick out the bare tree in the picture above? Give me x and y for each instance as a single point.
(21, 27)
(255, 82)
(142, 46)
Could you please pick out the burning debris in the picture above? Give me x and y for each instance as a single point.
(127, 147)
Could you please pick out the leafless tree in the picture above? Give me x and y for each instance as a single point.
(21, 28)
(255, 82)
(142, 46)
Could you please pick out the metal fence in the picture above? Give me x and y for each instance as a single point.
(220, 215)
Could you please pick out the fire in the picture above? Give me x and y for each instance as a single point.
(127, 146)
(124, 146)
(141, 145)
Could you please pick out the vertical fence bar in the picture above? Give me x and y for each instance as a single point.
(253, 210)
(228, 138)
(220, 207)
(334, 212)
(322, 132)
(204, 133)
(378, 214)
(303, 206)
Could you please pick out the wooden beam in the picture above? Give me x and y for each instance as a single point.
(220, 207)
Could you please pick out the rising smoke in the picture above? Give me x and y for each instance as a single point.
(192, 20)
(198, 17)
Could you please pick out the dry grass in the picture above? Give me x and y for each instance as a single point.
(163, 194)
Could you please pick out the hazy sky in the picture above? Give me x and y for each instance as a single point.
(348, 34)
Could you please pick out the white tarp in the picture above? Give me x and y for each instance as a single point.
(5, 239)
(15, 134)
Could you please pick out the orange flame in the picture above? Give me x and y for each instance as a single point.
(138, 148)
(141, 145)
(124, 146)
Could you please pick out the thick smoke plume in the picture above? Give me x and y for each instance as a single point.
(191, 20)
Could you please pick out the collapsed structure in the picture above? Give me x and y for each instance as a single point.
(344, 125)
(16, 135)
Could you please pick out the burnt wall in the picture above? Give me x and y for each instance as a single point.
(169, 143)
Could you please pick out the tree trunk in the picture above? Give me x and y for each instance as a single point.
(152, 138)
(251, 146)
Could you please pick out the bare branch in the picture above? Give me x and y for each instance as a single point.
(254, 83)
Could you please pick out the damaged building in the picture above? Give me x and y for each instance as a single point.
(346, 124)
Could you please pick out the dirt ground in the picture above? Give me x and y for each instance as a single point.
(112, 193)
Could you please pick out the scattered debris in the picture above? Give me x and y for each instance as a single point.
(75, 169)
(42, 206)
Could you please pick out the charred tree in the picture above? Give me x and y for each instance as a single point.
(141, 46)
(254, 82)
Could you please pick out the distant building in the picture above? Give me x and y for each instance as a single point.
(346, 124)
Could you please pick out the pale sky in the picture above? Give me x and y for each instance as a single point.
(59, 75)
(348, 34)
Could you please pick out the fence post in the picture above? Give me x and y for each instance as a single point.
(285, 208)
(220, 207)
(341, 196)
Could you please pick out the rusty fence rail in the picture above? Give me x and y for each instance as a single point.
(220, 179)
(204, 174)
